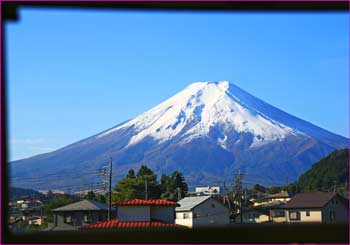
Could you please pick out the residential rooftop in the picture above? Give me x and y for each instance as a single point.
(84, 205)
(188, 203)
(116, 224)
(310, 200)
(142, 202)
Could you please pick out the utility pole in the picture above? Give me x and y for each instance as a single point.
(178, 193)
(239, 193)
(110, 191)
(245, 195)
(146, 190)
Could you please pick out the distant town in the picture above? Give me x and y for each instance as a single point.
(141, 200)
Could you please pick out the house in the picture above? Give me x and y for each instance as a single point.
(141, 214)
(281, 197)
(321, 207)
(75, 215)
(253, 215)
(278, 214)
(201, 211)
(259, 214)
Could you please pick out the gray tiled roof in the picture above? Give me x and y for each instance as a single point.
(189, 203)
(84, 205)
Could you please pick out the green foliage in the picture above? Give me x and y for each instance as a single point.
(275, 189)
(131, 174)
(90, 195)
(329, 172)
(133, 186)
(101, 198)
(259, 188)
(173, 185)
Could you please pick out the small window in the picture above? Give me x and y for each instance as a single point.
(294, 215)
(279, 214)
(332, 215)
(195, 215)
(186, 216)
(307, 213)
(213, 205)
(86, 218)
(336, 202)
(68, 219)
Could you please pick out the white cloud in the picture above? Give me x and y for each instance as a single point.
(26, 141)
(42, 148)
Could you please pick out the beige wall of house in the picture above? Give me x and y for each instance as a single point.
(304, 215)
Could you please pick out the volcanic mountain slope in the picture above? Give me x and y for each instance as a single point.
(208, 131)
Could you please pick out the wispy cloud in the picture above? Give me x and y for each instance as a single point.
(35, 145)
(26, 141)
(42, 148)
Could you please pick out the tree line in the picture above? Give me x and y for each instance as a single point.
(144, 185)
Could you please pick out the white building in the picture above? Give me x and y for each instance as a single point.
(208, 190)
(201, 211)
(146, 210)
(141, 214)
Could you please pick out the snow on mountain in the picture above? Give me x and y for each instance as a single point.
(208, 131)
(202, 105)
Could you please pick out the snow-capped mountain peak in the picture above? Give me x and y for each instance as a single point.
(195, 110)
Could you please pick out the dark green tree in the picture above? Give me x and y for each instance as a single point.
(90, 195)
(144, 171)
(131, 174)
(259, 188)
(130, 188)
(328, 174)
(173, 186)
(101, 198)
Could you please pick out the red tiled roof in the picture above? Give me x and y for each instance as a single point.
(116, 224)
(152, 202)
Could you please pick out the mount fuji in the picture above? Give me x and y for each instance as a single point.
(208, 131)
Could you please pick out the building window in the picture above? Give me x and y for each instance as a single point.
(195, 215)
(186, 215)
(295, 215)
(213, 205)
(307, 213)
(332, 215)
(68, 219)
(86, 218)
(279, 214)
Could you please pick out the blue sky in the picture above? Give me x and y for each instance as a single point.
(75, 73)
